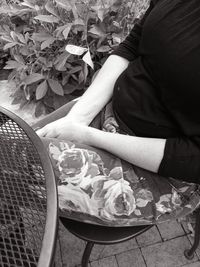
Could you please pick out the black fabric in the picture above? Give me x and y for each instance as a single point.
(161, 86)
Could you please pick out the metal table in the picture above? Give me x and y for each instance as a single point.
(28, 196)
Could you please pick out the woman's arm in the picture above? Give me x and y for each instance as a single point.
(173, 157)
(99, 92)
(145, 152)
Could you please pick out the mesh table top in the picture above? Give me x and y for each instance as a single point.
(28, 221)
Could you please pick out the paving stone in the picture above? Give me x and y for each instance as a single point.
(171, 229)
(96, 252)
(185, 227)
(105, 262)
(151, 236)
(58, 257)
(118, 248)
(71, 248)
(131, 258)
(167, 254)
(194, 264)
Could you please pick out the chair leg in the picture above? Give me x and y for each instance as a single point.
(86, 254)
(189, 253)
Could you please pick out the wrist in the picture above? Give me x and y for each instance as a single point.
(92, 135)
(76, 118)
(96, 137)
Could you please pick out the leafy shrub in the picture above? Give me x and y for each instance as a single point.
(56, 46)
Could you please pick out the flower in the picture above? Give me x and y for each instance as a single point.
(176, 198)
(143, 196)
(118, 199)
(77, 167)
(163, 205)
(73, 198)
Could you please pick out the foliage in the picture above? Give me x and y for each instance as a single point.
(56, 46)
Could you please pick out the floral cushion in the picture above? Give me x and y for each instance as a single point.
(96, 187)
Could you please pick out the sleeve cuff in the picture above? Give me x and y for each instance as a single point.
(181, 161)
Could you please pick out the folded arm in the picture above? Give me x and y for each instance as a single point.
(144, 152)
(99, 92)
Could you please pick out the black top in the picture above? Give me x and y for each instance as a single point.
(158, 94)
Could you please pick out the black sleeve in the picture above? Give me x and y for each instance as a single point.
(182, 159)
(129, 47)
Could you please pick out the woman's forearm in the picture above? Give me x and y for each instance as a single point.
(146, 153)
(100, 91)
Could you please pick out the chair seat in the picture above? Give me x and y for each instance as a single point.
(103, 234)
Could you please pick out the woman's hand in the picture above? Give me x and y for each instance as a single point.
(65, 129)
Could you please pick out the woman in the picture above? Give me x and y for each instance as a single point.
(154, 83)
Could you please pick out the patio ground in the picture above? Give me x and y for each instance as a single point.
(161, 246)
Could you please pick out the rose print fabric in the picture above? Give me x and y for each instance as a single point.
(96, 187)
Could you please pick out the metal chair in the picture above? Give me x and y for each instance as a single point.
(189, 253)
(104, 235)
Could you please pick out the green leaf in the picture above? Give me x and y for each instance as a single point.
(75, 69)
(18, 96)
(32, 78)
(12, 64)
(64, 4)
(47, 43)
(7, 39)
(41, 90)
(39, 109)
(103, 49)
(75, 50)
(97, 31)
(28, 4)
(87, 59)
(66, 31)
(9, 45)
(69, 88)
(100, 11)
(14, 36)
(24, 51)
(47, 18)
(79, 21)
(56, 87)
(51, 9)
(59, 30)
(40, 36)
(19, 59)
(61, 61)
(21, 38)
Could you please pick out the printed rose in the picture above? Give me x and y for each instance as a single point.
(143, 197)
(76, 167)
(176, 198)
(73, 198)
(163, 205)
(119, 199)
